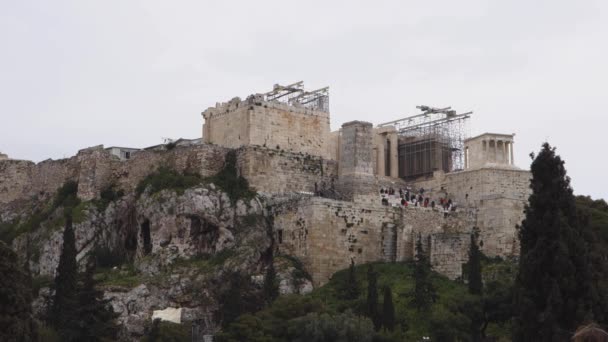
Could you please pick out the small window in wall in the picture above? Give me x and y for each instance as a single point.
(280, 235)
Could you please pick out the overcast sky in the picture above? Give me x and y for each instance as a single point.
(81, 73)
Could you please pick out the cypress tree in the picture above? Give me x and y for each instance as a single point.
(96, 318)
(63, 313)
(352, 286)
(388, 310)
(554, 280)
(372, 297)
(475, 286)
(424, 294)
(271, 288)
(16, 319)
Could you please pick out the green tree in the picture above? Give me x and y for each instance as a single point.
(63, 314)
(475, 286)
(424, 294)
(351, 287)
(238, 299)
(323, 327)
(96, 318)
(553, 285)
(372, 297)
(16, 320)
(388, 310)
(271, 286)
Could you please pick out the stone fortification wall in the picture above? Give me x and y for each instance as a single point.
(498, 194)
(269, 124)
(95, 169)
(326, 234)
(449, 252)
(276, 171)
(357, 181)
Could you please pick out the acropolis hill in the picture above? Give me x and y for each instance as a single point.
(337, 196)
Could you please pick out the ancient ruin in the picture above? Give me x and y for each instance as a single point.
(336, 196)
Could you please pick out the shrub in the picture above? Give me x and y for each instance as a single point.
(165, 178)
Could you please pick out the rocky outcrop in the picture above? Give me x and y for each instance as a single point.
(177, 250)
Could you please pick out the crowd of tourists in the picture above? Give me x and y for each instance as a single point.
(406, 197)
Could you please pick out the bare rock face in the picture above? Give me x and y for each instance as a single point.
(178, 250)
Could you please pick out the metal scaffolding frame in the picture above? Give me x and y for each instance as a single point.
(431, 141)
(295, 94)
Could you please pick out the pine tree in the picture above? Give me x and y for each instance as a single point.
(16, 320)
(388, 310)
(63, 314)
(424, 294)
(372, 297)
(554, 280)
(271, 287)
(475, 285)
(352, 286)
(96, 318)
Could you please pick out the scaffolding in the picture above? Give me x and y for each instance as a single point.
(431, 141)
(295, 95)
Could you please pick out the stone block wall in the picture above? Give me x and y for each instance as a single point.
(449, 252)
(276, 171)
(95, 169)
(327, 234)
(497, 194)
(268, 124)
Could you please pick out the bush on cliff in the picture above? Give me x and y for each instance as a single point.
(65, 197)
(227, 179)
(165, 178)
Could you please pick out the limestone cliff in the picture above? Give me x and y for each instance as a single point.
(174, 250)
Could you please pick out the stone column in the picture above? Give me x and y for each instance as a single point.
(466, 157)
(394, 154)
(511, 147)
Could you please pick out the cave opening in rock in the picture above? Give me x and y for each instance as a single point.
(147, 239)
(204, 235)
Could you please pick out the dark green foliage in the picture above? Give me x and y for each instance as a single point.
(594, 216)
(372, 298)
(107, 196)
(165, 178)
(62, 315)
(228, 179)
(424, 294)
(323, 327)
(96, 319)
(231, 182)
(163, 331)
(351, 286)
(554, 284)
(170, 145)
(271, 285)
(388, 310)
(16, 320)
(65, 197)
(298, 318)
(474, 268)
(475, 286)
(238, 299)
(272, 322)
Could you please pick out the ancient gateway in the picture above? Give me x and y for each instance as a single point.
(363, 193)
